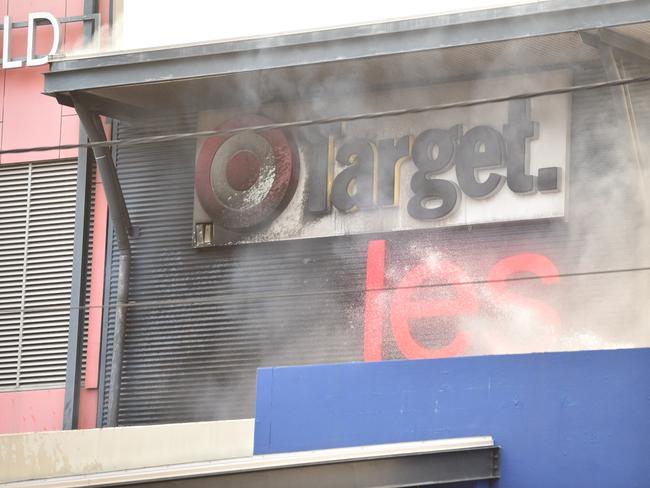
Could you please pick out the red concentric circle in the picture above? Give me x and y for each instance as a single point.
(246, 179)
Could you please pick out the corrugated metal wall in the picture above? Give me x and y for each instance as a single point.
(196, 361)
(238, 308)
(90, 237)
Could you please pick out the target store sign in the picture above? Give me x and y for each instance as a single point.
(491, 163)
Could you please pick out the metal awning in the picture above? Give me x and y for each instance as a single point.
(387, 465)
(289, 67)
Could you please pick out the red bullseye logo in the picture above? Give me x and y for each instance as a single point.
(244, 180)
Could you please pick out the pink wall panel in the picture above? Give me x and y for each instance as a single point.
(69, 135)
(89, 398)
(19, 9)
(42, 410)
(73, 37)
(74, 7)
(33, 119)
(2, 93)
(87, 409)
(3, 12)
(96, 287)
(29, 119)
(31, 411)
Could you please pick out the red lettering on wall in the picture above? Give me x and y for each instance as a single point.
(405, 306)
(418, 296)
(536, 264)
(373, 319)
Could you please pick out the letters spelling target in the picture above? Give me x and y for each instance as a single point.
(245, 179)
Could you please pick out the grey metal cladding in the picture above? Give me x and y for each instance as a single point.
(328, 45)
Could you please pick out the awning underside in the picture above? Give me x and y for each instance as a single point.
(325, 65)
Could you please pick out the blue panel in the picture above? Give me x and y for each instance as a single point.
(563, 419)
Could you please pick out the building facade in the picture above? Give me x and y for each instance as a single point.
(39, 201)
(469, 189)
(391, 229)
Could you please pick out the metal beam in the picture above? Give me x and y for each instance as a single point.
(400, 471)
(119, 328)
(123, 230)
(93, 103)
(78, 288)
(103, 356)
(625, 43)
(91, 17)
(334, 45)
(108, 172)
(423, 463)
(626, 46)
(79, 277)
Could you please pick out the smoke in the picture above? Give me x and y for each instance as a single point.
(106, 38)
(309, 300)
(605, 228)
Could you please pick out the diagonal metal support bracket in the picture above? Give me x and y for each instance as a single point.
(116, 204)
(123, 231)
(626, 45)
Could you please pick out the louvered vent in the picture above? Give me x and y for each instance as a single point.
(37, 205)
